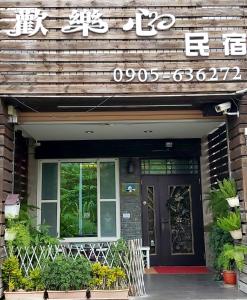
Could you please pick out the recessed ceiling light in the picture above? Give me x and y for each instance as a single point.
(148, 131)
(89, 132)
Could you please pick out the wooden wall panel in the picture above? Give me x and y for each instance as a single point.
(28, 63)
(218, 155)
(21, 165)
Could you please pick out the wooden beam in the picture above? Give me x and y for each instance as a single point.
(54, 117)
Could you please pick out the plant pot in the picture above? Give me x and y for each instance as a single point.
(81, 294)
(10, 234)
(233, 201)
(12, 211)
(230, 277)
(236, 234)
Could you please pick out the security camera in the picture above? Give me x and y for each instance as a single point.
(223, 107)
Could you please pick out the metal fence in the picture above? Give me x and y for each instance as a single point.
(128, 255)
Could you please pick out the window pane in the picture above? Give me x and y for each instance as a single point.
(49, 181)
(107, 180)
(49, 217)
(108, 219)
(78, 194)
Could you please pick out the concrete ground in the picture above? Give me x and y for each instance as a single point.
(176, 287)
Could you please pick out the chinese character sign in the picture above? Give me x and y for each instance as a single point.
(146, 23)
(28, 22)
(162, 22)
(234, 44)
(85, 21)
(196, 44)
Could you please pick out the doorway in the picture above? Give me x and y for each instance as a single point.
(172, 218)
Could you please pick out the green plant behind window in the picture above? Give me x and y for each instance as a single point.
(231, 222)
(232, 257)
(228, 188)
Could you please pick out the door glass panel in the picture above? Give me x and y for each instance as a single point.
(169, 166)
(151, 219)
(49, 217)
(78, 196)
(49, 181)
(179, 207)
(107, 180)
(108, 218)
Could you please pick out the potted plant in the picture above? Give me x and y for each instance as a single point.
(228, 188)
(231, 223)
(232, 258)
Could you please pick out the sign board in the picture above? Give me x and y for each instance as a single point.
(128, 48)
(131, 189)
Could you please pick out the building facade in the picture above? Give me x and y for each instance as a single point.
(117, 118)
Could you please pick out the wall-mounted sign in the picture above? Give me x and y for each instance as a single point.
(130, 189)
(126, 215)
(30, 21)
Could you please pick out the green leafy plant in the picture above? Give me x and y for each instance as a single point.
(66, 273)
(104, 277)
(218, 204)
(23, 237)
(228, 188)
(217, 239)
(11, 273)
(231, 222)
(34, 281)
(232, 257)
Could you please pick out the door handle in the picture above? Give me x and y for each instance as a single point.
(164, 221)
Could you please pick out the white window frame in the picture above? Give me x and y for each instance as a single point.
(117, 200)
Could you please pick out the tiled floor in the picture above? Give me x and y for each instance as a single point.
(176, 287)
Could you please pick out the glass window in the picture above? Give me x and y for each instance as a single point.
(108, 218)
(75, 208)
(107, 180)
(49, 217)
(78, 200)
(49, 181)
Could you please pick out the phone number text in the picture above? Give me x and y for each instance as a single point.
(179, 75)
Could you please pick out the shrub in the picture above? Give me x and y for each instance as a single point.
(104, 277)
(12, 275)
(34, 281)
(66, 273)
(230, 222)
(217, 239)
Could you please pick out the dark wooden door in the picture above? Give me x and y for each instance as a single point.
(173, 219)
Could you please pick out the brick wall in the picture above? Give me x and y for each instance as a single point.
(130, 228)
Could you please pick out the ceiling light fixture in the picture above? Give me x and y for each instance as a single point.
(89, 132)
(148, 131)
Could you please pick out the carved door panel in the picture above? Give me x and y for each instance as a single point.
(173, 219)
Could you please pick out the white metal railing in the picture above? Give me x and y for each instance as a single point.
(129, 256)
